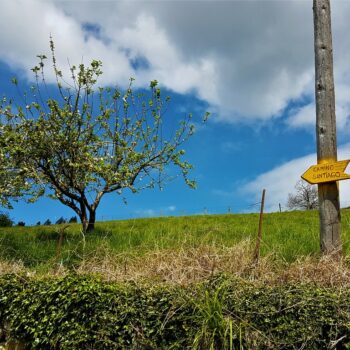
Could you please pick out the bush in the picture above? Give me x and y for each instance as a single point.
(78, 312)
(73, 219)
(61, 220)
(21, 223)
(5, 220)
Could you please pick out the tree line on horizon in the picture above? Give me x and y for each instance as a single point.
(6, 221)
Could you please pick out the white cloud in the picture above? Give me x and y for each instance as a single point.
(171, 208)
(247, 59)
(156, 212)
(146, 212)
(28, 25)
(147, 40)
(231, 146)
(303, 117)
(281, 180)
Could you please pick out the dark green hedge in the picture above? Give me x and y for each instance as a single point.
(79, 312)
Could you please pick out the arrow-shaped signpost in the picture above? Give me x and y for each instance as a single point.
(328, 170)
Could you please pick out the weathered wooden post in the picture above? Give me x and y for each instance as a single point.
(328, 193)
(256, 255)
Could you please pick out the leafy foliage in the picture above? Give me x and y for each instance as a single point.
(89, 142)
(221, 313)
(12, 183)
(5, 220)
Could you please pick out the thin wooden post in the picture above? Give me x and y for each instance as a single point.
(256, 255)
(328, 193)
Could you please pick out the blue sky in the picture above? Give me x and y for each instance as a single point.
(250, 63)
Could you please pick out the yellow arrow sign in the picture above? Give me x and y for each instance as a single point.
(326, 172)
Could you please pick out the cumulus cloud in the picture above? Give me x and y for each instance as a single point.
(303, 116)
(281, 180)
(247, 59)
(263, 57)
(26, 26)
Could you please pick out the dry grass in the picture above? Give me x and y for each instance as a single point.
(325, 271)
(187, 265)
(16, 267)
(178, 266)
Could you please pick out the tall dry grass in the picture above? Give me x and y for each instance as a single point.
(187, 265)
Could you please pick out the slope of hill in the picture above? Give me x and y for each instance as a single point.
(175, 248)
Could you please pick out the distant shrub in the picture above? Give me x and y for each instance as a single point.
(61, 220)
(5, 220)
(21, 223)
(73, 219)
(38, 223)
(47, 222)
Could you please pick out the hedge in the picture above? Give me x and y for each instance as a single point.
(83, 312)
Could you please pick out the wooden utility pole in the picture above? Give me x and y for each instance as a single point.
(328, 193)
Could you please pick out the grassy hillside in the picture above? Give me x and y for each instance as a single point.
(208, 239)
(193, 285)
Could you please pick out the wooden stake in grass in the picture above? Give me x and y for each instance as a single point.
(258, 240)
(328, 193)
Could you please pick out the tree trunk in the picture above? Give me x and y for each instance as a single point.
(84, 222)
(91, 223)
(88, 223)
(328, 193)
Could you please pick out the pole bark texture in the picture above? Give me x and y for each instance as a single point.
(328, 193)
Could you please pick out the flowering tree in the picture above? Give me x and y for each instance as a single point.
(88, 142)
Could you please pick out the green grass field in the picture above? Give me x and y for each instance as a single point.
(292, 294)
(287, 237)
